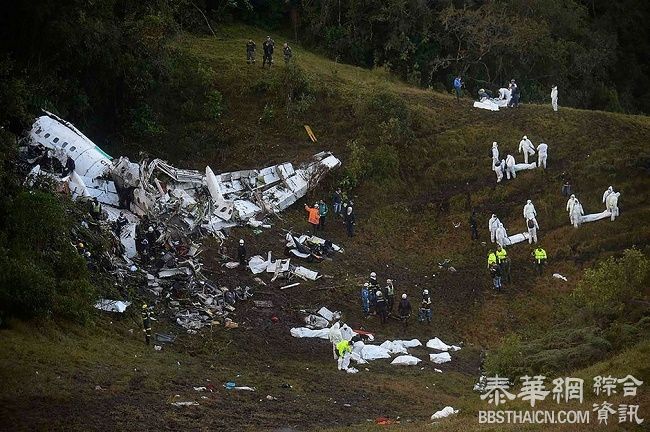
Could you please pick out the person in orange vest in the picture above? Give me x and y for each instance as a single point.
(314, 217)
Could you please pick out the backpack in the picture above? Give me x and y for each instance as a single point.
(531, 223)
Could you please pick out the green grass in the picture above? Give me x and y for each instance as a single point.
(405, 227)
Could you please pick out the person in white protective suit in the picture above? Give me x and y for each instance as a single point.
(610, 190)
(554, 97)
(576, 213)
(498, 169)
(542, 154)
(510, 167)
(504, 94)
(612, 204)
(335, 337)
(495, 152)
(569, 205)
(527, 147)
(502, 235)
(493, 224)
(532, 226)
(529, 210)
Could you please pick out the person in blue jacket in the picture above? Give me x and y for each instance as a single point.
(458, 85)
(365, 299)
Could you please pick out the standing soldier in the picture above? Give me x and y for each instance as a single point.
(350, 221)
(390, 295)
(250, 51)
(381, 306)
(267, 47)
(473, 226)
(146, 323)
(539, 254)
(404, 310)
(241, 253)
(425, 307)
(287, 53)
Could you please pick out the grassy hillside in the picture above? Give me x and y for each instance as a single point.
(419, 161)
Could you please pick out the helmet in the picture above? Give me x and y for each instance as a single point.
(366, 285)
(426, 291)
(373, 275)
(150, 229)
(404, 295)
(389, 280)
(525, 137)
(144, 306)
(494, 144)
(80, 245)
(379, 293)
(241, 241)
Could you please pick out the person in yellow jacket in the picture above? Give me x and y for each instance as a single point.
(491, 259)
(504, 262)
(344, 349)
(539, 255)
(313, 217)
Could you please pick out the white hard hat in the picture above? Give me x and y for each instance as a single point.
(373, 275)
(525, 137)
(404, 295)
(150, 229)
(426, 291)
(241, 241)
(378, 293)
(366, 284)
(389, 280)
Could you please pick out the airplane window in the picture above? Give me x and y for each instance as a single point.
(73, 148)
(64, 145)
(39, 130)
(47, 135)
(56, 140)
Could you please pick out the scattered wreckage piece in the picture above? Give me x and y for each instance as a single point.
(112, 305)
(440, 358)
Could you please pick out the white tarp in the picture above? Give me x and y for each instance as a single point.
(374, 352)
(445, 412)
(408, 343)
(440, 358)
(406, 360)
(517, 238)
(303, 332)
(523, 166)
(487, 104)
(439, 345)
(394, 348)
(112, 305)
(595, 216)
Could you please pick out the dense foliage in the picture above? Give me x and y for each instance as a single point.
(594, 50)
(606, 312)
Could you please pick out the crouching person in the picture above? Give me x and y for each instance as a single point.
(344, 349)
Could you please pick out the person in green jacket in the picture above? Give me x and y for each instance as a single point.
(323, 210)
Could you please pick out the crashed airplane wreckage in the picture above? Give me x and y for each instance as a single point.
(190, 200)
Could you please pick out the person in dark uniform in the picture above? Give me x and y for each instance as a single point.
(267, 46)
(250, 51)
(241, 253)
(288, 53)
(472, 225)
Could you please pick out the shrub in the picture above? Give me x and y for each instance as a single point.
(608, 290)
(214, 105)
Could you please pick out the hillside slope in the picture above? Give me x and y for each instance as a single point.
(419, 161)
